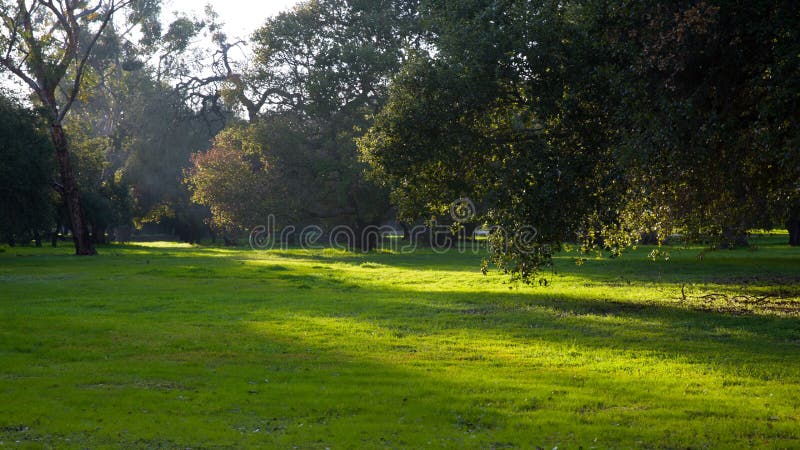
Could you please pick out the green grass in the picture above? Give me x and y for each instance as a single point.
(171, 346)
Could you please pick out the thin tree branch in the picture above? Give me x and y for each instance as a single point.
(82, 64)
(8, 64)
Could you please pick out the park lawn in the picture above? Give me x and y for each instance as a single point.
(174, 346)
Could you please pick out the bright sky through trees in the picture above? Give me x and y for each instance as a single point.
(241, 17)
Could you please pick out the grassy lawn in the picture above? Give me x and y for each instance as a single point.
(172, 346)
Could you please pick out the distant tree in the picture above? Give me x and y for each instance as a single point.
(133, 137)
(227, 178)
(143, 153)
(160, 135)
(27, 172)
(319, 70)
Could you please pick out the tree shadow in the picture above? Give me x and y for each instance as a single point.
(696, 336)
(739, 267)
(284, 346)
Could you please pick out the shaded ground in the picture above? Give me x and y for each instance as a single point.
(167, 346)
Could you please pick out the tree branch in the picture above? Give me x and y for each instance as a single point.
(82, 64)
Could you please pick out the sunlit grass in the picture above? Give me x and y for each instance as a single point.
(161, 244)
(167, 345)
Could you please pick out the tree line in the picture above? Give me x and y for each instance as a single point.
(601, 123)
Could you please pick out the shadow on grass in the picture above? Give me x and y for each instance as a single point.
(698, 336)
(282, 345)
(752, 277)
(665, 326)
(771, 263)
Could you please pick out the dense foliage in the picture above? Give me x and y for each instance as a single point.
(709, 119)
(27, 173)
(598, 122)
(323, 67)
(46, 46)
(134, 137)
(128, 135)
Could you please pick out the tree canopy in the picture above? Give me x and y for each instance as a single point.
(322, 68)
(26, 175)
(597, 123)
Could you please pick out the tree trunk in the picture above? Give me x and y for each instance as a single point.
(54, 237)
(406, 231)
(365, 241)
(468, 233)
(649, 238)
(98, 234)
(733, 237)
(72, 198)
(793, 225)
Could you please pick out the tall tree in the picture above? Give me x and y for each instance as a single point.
(502, 110)
(46, 44)
(139, 127)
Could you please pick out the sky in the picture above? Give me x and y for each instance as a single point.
(241, 17)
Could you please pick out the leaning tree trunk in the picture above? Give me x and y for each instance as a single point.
(72, 198)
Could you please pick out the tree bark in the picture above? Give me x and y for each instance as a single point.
(469, 231)
(98, 234)
(733, 238)
(365, 241)
(54, 237)
(406, 231)
(793, 225)
(72, 198)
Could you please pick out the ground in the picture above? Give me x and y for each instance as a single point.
(173, 346)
